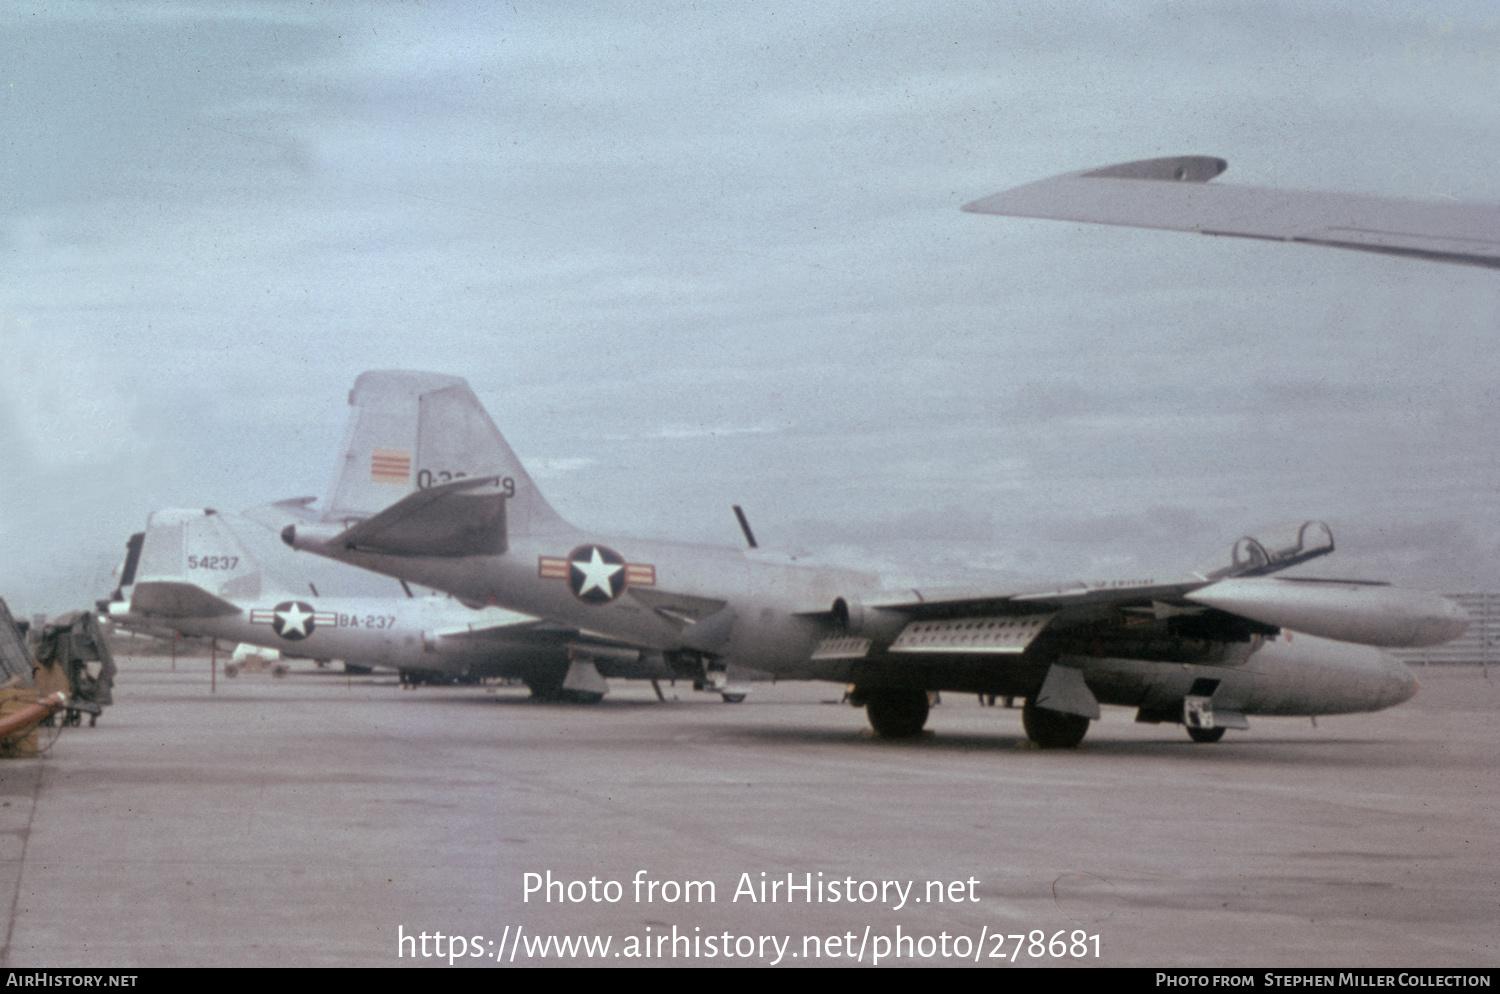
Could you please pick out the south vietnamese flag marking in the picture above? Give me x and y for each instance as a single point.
(390, 466)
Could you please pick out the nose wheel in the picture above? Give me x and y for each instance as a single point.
(1206, 734)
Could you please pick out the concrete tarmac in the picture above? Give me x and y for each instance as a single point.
(317, 820)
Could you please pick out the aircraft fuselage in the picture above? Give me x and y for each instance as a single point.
(751, 612)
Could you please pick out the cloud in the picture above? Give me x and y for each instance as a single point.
(552, 468)
(62, 400)
(715, 431)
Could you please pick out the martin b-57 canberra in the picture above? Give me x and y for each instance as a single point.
(429, 491)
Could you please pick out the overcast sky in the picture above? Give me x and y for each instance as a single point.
(703, 254)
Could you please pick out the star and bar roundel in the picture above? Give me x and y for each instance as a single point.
(293, 619)
(596, 574)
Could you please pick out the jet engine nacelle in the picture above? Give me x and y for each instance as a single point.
(852, 618)
(848, 616)
(1364, 613)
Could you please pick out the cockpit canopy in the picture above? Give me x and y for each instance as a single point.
(1274, 549)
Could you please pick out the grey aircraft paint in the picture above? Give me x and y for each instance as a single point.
(190, 573)
(429, 491)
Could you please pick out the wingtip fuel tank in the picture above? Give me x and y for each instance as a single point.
(1364, 613)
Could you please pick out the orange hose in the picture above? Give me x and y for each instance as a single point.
(31, 714)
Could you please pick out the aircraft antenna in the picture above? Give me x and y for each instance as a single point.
(739, 512)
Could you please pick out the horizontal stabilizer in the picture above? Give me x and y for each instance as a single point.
(125, 621)
(168, 599)
(446, 520)
(1175, 194)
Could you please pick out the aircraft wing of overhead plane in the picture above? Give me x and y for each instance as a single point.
(1176, 194)
(1229, 636)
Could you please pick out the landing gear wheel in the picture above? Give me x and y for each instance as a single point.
(733, 698)
(546, 687)
(896, 712)
(1206, 734)
(1053, 729)
(549, 687)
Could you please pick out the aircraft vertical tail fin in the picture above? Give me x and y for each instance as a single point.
(189, 563)
(410, 432)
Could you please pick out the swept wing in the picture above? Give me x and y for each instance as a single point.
(1223, 599)
(1176, 194)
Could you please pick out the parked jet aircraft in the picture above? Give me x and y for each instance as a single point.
(1175, 193)
(189, 572)
(428, 490)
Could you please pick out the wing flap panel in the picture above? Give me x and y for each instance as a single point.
(845, 647)
(981, 635)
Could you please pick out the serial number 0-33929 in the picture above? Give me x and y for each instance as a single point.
(435, 478)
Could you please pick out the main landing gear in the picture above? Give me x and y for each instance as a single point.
(894, 712)
(1053, 729)
(901, 712)
(548, 687)
(1205, 734)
